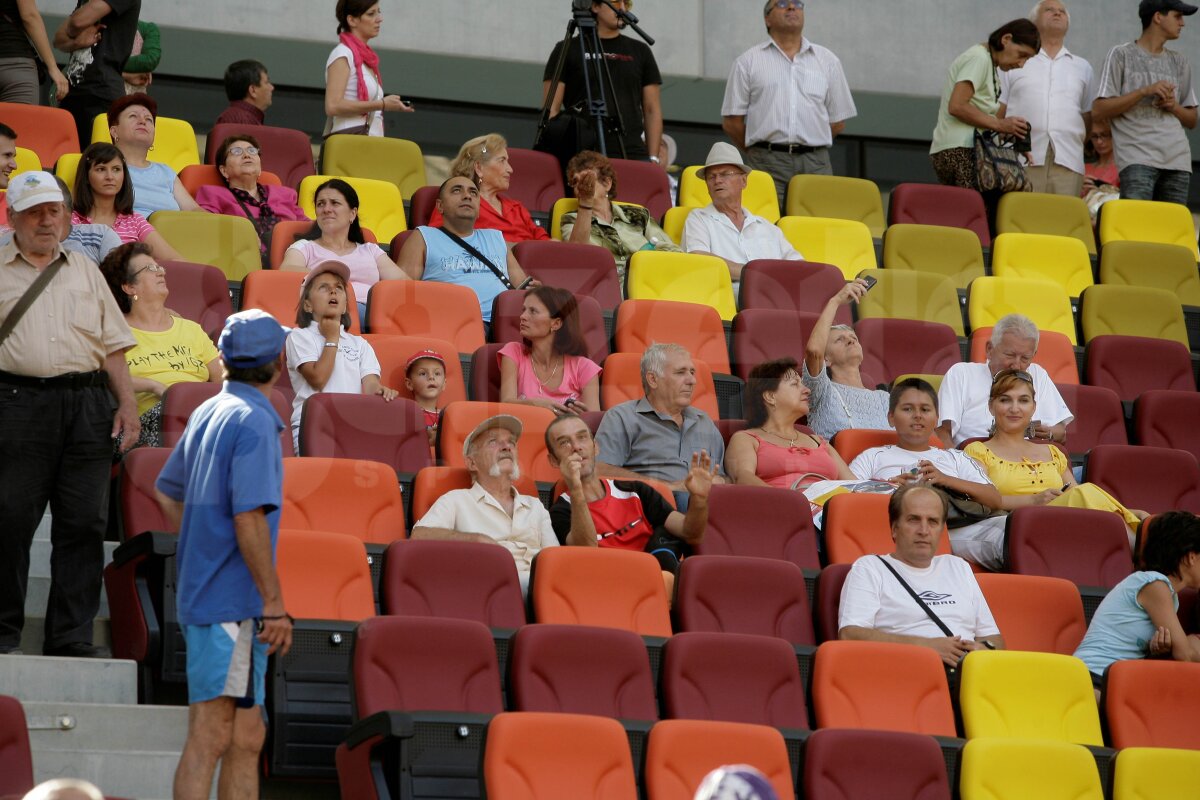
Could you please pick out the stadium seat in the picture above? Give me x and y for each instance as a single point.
(882, 686)
(1159, 266)
(67, 166)
(760, 521)
(457, 580)
(674, 220)
(847, 244)
(836, 197)
(199, 293)
(621, 381)
(741, 594)
(895, 347)
(1023, 695)
(850, 442)
(181, 399)
(991, 298)
(827, 599)
(380, 205)
(644, 183)
(1148, 221)
(459, 419)
(1036, 613)
(1165, 418)
(506, 322)
(433, 482)
(1055, 353)
(682, 752)
(759, 195)
(1098, 417)
(27, 161)
(1046, 214)
(1146, 773)
(485, 374)
(953, 253)
(1154, 479)
(1132, 311)
(606, 587)
(1130, 365)
(698, 328)
(427, 308)
(196, 175)
(1151, 703)
(1059, 259)
(306, 557)
(685, 277)
(804, 286)
(50, 132)
(16, 758)
(174, 141)
(285, 152)
(394, 350)
(397, 161)
(286, 233)
(762, 334)
(538, 756)
(857, 525)
(422, 202)
(423, 690)
(278, 293)
(343, 495)
(849, 763)
(357, 426)
(228, 243)
(537, 179)
(933, 204)
(581, 268)
(912, 295)
(1012, 769)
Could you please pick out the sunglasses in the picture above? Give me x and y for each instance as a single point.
(1019, 374)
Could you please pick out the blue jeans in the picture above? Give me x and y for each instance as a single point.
(1140, 182)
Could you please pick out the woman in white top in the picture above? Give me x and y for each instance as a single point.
(354, 98)
(337, 236)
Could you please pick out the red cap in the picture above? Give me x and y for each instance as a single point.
(434, 354)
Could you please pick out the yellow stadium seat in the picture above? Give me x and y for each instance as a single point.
(952, 252)
(1010, 694)
(1152, 773)
(933, 380)
(1132, 311)
(1148, 221)
(759, 196)
(844, 243)
(901, 294)
(397, 161)
(68, 165)
(380, 206)
(27, 161)
(990, 298)
(838, 198)
(685, 277)
(1058, 259)
(1008, 769)
(226, 242)
(1052, 214)
(673, 222)
(565, 205)
(174, 141)
(1159, 266)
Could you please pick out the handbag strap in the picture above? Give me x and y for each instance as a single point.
(454, 237)
(936, 619)
(26, 300)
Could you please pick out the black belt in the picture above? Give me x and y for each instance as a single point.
(794, 149)
(71, 380)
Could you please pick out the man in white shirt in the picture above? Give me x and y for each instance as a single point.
(1054, 91)
(786, 99)
(963, 398)
(725, 228)
(875, 606)
(492, 511)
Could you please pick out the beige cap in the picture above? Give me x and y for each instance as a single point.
(505, 421)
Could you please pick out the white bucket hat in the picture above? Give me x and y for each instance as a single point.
(723, 153)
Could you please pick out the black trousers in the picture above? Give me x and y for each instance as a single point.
(56, 448)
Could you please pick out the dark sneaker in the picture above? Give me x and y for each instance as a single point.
(78, 650)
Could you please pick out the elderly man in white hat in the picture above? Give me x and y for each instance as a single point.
(725, 228)
(492, 511)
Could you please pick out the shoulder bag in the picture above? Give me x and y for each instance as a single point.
(26, 300)
(458, 240)
(998, 167)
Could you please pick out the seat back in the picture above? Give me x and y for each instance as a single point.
(953, 253)
(343, 495)
(278, 293)
(733, 677)
(1144, 773)
(934, 204)
(397, 161)
(847, 244)
(681, 752)
(485, 374)
(997, 769)
(850, 442)
(836, 197)
(738, 594)
(16, 758)
(991, 298)
(911, 295)
(792, 286)
(459, 419)
(686, 277)
(1055, 354)
(1046, 214)
(1159, 266)
(357, 426)
(427, 308)
(1152, 703)
(433, 482)
(895, 347)
(674, 222)
(181, 399)
(27, 161)
(856, 525)
(49, 132)
(1023, 695)
(422, 201)
(506, 322)
(324, 575)
(1130, 365)
(537, 179)
(1059, 259)
(580, 669)
(580, 268)
(199, 293)
(828, 601)
(286, 233)
(174, 141)
(1035, 612)
(1085, 546)
(381, 207)
(1132, 311)
(1164, 418)
(532, 755)
(393, 350)
(621, 381)
(140, 511)
(227, 243)
(1154, 479)
(284, 151)
(847, 763)
(759, 196)
(760, 521)
(1148, 221)
(698, 328)
(605, 587)
(1099, 418)
(761, 334)
(432, 578)
(644, 183)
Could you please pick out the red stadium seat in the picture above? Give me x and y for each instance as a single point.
(934, 204)
(334, 425)
(1165, 418)
(199, 293)
(828, 601)
(1153, 479)
(581, 268)
(848, 763)
(16, 758)
(1098, 417)
(485, 374)
(285, 152)
(644, 183)
(1130, 365)
(181, 399)
(762, 334)
(457, 580)
(738, 594)
(422, 204)
(895, 347)
(536, 179)
(792, 286)
(760, 521)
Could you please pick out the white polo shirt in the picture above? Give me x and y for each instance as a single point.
(709, 231)
(1053, 94)
(963, 400)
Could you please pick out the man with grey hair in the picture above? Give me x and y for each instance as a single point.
(786, 99)
(963, 398)
(492, 511)
(1054, 91)
(657, 435)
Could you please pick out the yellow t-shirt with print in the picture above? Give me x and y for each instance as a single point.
(179, 354)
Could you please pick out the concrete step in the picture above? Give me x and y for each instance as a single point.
(33, 634)
(146, 775)
(43, 679)
(92, 726)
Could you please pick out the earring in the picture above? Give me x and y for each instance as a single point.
(134, 297)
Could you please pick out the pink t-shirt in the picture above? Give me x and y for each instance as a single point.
(577, 371)
(364, 271)
(128, 227)
(780, 465)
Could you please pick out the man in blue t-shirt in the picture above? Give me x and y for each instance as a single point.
(222, 488)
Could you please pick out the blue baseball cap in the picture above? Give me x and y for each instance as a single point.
(250, 339)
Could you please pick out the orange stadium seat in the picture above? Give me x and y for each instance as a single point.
(621, 381)
(278, 293)
(682, 752)
(1055, 353)
(1035, 612)
(427, 308)
(459, 419)
(857, 525)
(697, 328)
(49, 132)
(850, 442)
(433, 482)
(194, 176)
(343, 495)
(307, 558)
(606, 587)
(1151, 704)
(394, 350)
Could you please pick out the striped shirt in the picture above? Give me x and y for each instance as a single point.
(788, 100)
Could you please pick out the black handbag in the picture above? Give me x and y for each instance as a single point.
(966, 511)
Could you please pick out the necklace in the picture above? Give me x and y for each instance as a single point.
(791, 442)
(549, 377)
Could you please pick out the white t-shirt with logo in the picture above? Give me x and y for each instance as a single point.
(886, 462)
(873, 598)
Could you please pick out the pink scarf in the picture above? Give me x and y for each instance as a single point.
(363, 56)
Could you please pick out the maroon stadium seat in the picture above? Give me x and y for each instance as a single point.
(762, 334)
(485, 373)
(1167, 418)
(16, 759)
(421, 206)
(934, 204)
(581, 268)
(1098, 417)
(1153, 479)
(1130, 365)
(847, 763)
(738, 594)
(181, 399)
(792, 286)
(429, 578)
(644, 183)
(537, 179)
(829, 600)
(199, 293)
(286, 152)
(895, 347)
(760, 521)
(506, 322)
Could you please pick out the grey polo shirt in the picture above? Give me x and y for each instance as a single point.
(634, 436)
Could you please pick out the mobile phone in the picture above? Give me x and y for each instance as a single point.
(525, 282)
(1099, 182)
(870, 281)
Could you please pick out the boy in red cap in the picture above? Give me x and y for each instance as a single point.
(425, 377)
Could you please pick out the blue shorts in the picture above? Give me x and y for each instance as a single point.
(226, 660)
